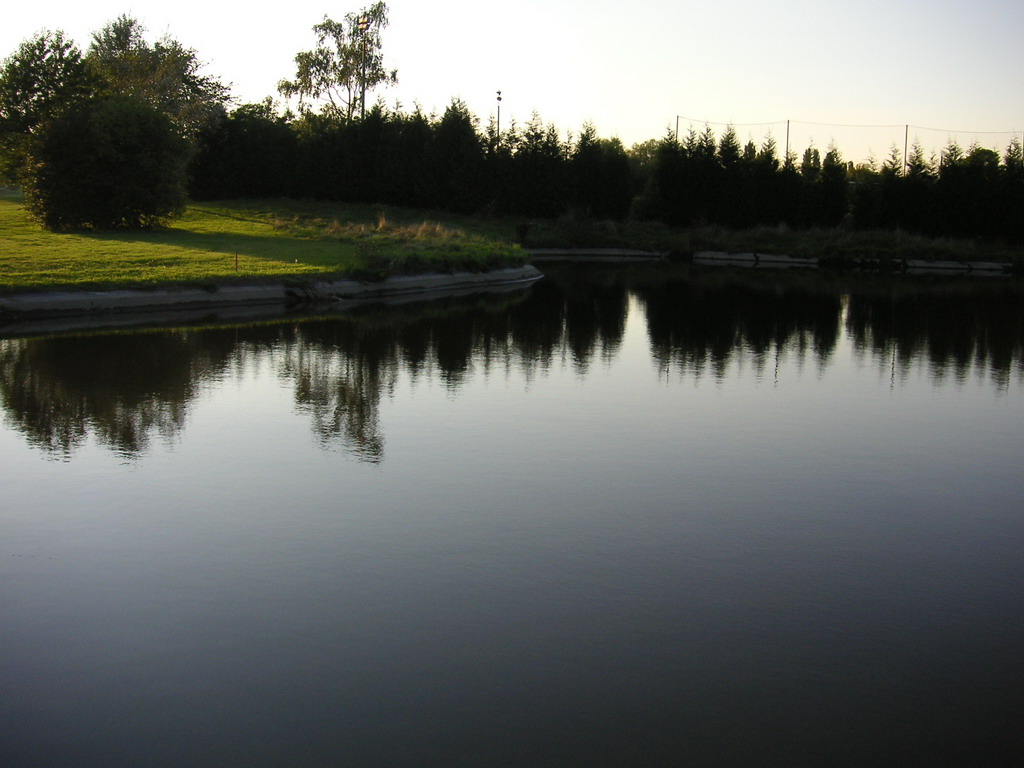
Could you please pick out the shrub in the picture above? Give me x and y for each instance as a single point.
(107, 163)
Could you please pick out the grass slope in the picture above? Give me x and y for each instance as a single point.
(241, 241)
(254, 240)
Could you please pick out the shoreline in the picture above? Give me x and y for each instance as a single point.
(134, 305)
(751, 259)
(881, 264)
(16, 309)
(56, 303)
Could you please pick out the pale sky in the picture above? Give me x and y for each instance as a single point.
(632, 67)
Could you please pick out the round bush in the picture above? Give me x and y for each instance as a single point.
(107, 163)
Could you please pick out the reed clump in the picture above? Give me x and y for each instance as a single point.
(425, 230)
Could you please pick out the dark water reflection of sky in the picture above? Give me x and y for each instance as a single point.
(642, 517)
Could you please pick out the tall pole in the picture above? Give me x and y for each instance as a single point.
(364, 24)
(906, 137)
(787, 143)
(499, 117)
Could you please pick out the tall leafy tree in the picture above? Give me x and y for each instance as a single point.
(729, 148)
(774, 191)
(768, 155)
(1012, 190)
(165, 74)
(666, 185)
(250, 153)
(917, 164)
(810, 166)
(641, 162)
(42, 78)
(950, 158)
(599, 171)
(893, 163)
(538, 170)
(102, 140)
(457, 159)
(346, 63)
(1013, 159)
(706, 176)
(833, 190)
(407, 163)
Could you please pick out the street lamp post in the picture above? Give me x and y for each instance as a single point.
(499, 117)
(363, 24)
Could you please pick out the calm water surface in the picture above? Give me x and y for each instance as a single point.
(639, 517)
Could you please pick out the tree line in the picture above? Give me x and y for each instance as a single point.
(103, 138)
(958, 193)
(417, 160)
(122, 134)
(448, 162)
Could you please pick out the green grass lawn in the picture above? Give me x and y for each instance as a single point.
(259, 240)
(242, 241)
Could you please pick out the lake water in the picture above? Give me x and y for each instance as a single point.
(626, 516)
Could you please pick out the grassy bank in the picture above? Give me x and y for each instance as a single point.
(837, 244)
(243, 241)
(247, 241)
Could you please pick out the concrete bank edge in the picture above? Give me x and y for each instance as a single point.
(912, 266)
(769, 260)
(68, 303)
(593, 254)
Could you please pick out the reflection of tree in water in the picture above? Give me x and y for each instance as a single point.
(956, 326)
(595, 320)
(574, 315)
(343, 366)
(701, 324)
(123, 388)
(701, 321)
(340, 371)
